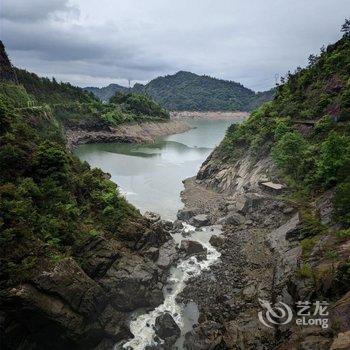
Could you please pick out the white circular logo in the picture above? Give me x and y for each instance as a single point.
(280, 313)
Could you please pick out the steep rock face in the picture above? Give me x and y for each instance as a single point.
(236, 177)
(85, 305)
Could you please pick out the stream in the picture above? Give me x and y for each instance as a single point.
(150, 176)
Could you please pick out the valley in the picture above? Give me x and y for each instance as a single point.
(126, 226)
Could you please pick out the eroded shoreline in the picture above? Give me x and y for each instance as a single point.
(145, 132)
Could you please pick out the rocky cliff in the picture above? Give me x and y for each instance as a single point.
(84, 301)
(279, 185)
(262, 259)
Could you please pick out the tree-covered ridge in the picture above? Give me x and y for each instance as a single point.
(50, 202)
(74, 107)
(139, 104)
(188, 91)
(185, 91)
(106, 92)
(51, 92)
(306, 128)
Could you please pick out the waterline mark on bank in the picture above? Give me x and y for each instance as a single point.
(308, 314)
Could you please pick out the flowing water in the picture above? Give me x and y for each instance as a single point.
(150, 176)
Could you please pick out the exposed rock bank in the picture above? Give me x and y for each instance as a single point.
(145, 132)
(213, 115)
(260, 257)
(84, 302)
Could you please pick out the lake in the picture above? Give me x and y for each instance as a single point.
(150, 175)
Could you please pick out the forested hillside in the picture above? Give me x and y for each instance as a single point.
(306, 131)
(105, 93)
(70, 105)
(188, 91)
(49, 200)
(185, 91)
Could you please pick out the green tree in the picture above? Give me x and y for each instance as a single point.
(288, 153)
(333, 157)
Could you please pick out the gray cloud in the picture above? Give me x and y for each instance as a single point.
(94, 42)
(34, 10)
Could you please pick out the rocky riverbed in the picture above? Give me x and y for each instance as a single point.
(259, 258)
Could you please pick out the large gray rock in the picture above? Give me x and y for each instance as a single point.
(132, 282)
(69, 282)
(65, 305)
(217, 241)
(200, 220)
(186, 214)
(168, 254)
(166, 327)
(245, 203)
(151, 253)
(234, 219)
(191, 247)
(97, 255)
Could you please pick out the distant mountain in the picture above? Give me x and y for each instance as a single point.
(192, 92)
(189, 91)
(105, 93)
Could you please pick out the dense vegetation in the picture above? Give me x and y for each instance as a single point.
(140, 105)
(306, 131)
(50, 202)
(306, 127)
(187, 91)
(74, 107)
(106, 92)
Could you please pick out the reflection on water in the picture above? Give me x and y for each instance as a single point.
(150, 176)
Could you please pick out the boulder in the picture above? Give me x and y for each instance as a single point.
(216, 241)
(70, 284)
(168, 254)
(166, 327)
(153, 217)
(97, 255)
(151, 253)
(65, 305)
(200, 220)
(205, 336)
(191, 247)
(132, 282)
(248, 202)
(177, 224)
(234, 219)
(186, 214)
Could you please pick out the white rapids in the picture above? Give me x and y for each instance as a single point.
(142, 327)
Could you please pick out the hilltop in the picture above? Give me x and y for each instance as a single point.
(186, 91)
(105, 93)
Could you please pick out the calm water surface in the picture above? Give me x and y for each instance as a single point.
(150, 176)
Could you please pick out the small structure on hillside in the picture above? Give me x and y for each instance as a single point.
(272, 187)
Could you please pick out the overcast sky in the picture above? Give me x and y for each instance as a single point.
(96, 42)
